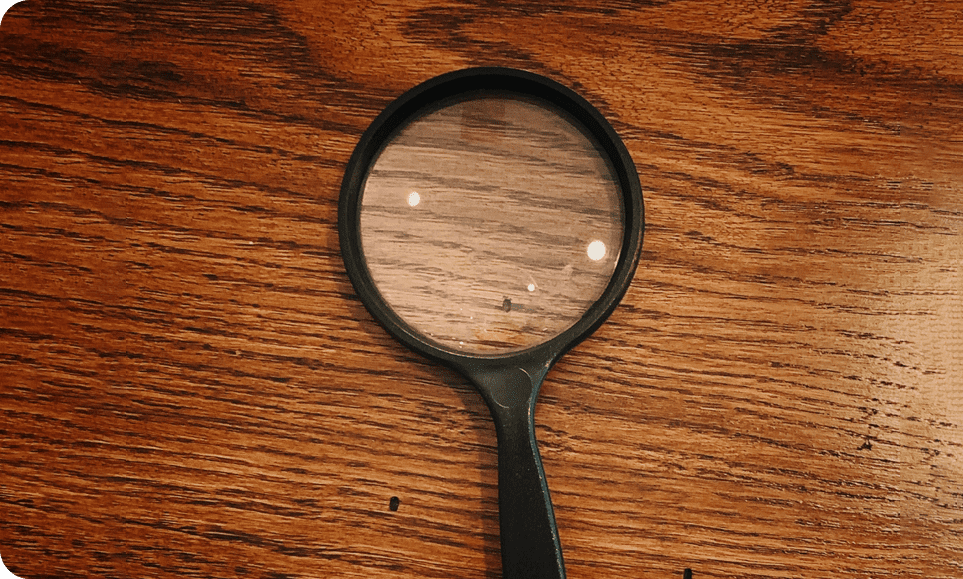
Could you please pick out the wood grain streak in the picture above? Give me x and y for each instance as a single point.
(190, 388)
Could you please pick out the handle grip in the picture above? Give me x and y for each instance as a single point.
(529, 537)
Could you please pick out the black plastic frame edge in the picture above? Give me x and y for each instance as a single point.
(449, 85)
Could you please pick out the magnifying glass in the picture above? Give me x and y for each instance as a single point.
(491, 219)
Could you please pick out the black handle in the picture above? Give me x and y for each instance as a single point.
(529, 537)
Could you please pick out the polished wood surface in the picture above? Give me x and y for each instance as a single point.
(190, 388)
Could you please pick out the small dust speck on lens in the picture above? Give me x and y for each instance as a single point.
(393, 503)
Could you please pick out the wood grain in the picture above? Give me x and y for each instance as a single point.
(190, 388)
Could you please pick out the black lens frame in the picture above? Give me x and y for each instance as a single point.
(410, 106)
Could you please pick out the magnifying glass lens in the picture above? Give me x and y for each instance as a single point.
(491, 224)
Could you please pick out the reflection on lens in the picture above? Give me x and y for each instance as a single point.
(596, 250)
(520, 194)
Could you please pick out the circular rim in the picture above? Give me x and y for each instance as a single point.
(407, 107)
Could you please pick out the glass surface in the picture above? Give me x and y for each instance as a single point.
(492, 224)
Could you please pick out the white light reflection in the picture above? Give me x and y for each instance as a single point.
(596, 250)
(414, 198)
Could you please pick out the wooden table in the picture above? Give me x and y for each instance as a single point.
(189, 386)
